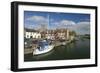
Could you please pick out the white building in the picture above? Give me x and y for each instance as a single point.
(50, 36)
(35, 35)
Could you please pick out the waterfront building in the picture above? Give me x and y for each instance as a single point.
(50, 34)
(57, 34)
(34, 35)
(62, 34)
(30, 33)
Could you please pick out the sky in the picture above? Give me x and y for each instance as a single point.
(78, 22)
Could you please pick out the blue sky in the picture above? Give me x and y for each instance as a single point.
(53, 20)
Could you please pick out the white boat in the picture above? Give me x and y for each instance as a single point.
(44, 47)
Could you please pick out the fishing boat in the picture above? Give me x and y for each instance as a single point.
(44, 47)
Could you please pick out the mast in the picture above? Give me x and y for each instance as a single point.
(48, 21)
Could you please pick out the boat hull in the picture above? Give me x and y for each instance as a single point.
(46, 49)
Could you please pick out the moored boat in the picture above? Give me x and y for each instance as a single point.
(44, 47)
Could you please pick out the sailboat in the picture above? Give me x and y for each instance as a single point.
(43, 46)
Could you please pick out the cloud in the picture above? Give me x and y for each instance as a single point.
(36, 18)
(36, 21)
(67, 22)
(29, 26)
(55, 23)
(83, 23)
(63, 24)
(82, 27)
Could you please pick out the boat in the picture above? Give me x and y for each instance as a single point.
(63, 43)
(44, 47)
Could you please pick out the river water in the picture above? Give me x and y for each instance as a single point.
(79, 49)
